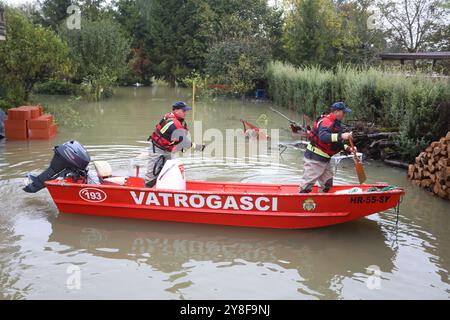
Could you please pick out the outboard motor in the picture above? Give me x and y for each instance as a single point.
(70, 159)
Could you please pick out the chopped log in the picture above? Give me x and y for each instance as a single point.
(424, 160)
(431, 169)
(441, 176)
(437, 151)
(438, 191)
(425, 183)
(442, 163)
(419, 173)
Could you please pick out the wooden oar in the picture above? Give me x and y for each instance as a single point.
(358, 166)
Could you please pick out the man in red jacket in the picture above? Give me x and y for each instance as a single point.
(170, 136)
(326, 139)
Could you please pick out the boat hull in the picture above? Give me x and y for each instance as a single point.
(233, 204)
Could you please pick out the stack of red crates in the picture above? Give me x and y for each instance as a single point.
(29, 122)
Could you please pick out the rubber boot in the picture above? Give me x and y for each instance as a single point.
(328, 185)
(307, 188)
(150, 184)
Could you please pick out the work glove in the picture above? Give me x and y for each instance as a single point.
(348, 149)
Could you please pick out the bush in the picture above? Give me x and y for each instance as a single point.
(418, 105)
(57, 87)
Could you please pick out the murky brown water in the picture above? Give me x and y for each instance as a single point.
(41, 251)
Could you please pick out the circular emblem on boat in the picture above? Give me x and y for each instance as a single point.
(92, 195)
(309, 205)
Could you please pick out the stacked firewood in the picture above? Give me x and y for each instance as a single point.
(431, 169)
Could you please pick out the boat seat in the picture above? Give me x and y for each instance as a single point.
(104, 173)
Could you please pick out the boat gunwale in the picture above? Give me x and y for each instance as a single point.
(396, 191)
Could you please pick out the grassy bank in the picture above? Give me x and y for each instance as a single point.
(417, 105)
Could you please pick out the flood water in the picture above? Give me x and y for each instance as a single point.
(46, 254)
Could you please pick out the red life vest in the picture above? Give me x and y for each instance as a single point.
(334, 126)
(162, 136)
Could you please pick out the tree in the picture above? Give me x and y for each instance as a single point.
(179, 34)
(306, 36)
(414, 24)
(174, 36)
(30, 54)
(54, 12)
(238, 62)
(364, 41)
(99, 50)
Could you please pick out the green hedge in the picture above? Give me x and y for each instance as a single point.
(416, 104)
(57, 87)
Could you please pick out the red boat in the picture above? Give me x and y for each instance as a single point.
(236, 204)
(174, 199)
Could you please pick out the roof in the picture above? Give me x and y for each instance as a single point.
(416, 55)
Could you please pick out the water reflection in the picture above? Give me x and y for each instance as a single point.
(317, 256)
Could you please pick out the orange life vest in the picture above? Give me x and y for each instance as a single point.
(162, 136)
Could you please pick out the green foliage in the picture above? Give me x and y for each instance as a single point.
(325, 32)
(177, 38)
(173, 37)
(5, 105)
(57, 87)
(417, 104)
(99, 50)
(30, 54)
(238, 62)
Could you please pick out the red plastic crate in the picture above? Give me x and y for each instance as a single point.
(19, 114)
(14, 134)
(48, 133)
(42, 122)
(16, 125)
(35, 111)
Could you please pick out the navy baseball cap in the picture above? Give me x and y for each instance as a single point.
(340, 106)
(181, 105)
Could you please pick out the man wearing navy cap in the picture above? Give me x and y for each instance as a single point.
(326, 139)
(169, 137)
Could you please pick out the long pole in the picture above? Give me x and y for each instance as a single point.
(290, 120)
(193, 100)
